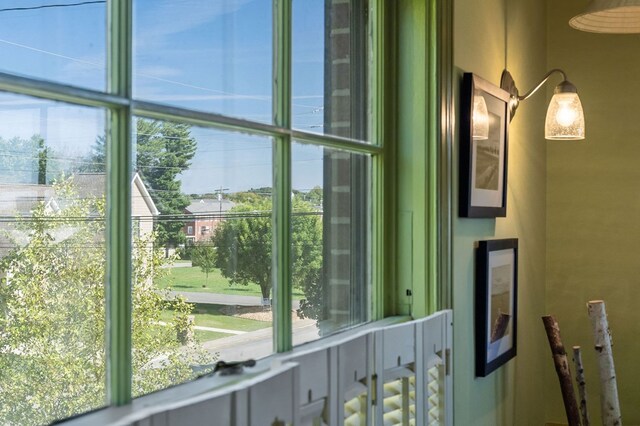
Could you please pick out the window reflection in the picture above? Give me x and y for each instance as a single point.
(215, 56)
(330, 238)
(52, 261)
(329, 67)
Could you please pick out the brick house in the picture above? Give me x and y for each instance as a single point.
(202, 218)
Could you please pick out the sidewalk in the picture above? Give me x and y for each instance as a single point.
(259, 343)
(223, 299)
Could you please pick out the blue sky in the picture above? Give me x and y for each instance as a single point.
(202, 54)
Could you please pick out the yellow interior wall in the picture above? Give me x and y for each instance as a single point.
(489, 35)
(593, 206)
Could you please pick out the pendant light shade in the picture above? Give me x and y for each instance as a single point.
(609, 16)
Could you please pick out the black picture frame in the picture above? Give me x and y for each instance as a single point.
(496, 313)
(483, 160)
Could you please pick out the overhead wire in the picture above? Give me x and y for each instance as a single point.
(47, 6)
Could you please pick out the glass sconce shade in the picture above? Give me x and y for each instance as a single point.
(565, 118)
(609, 16)
(480, 118)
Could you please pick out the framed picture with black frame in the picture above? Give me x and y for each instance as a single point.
(496, 307)
(484, 140)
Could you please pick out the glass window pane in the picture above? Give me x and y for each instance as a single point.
(60, 41)
(214, 56)
(52, 261)
(329, 67)
(201, 251)
(330, 232)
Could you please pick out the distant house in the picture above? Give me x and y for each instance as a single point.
(202, 218)
(143, 209)
(19, 200)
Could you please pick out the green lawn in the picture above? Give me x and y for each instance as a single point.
(206, 335)
(193, 279)
(211, 316)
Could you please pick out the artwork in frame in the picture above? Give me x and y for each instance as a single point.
(496, 310)
(484, 140)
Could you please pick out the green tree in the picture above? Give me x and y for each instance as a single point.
(244, 241)
(164, 150)
(52, 327)
(203, 255)
(245, 197)
(28, 161)
(314, 196)
(97, 161)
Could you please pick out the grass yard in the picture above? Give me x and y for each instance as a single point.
(193, 279)
(206, 335)
(212, 316)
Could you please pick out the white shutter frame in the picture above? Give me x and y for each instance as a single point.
(316, 379)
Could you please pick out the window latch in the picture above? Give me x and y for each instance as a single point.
(224, 368)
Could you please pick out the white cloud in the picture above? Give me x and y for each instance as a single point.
(157, 19)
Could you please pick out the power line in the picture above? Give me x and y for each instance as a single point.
(47, 6)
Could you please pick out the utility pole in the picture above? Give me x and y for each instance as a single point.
(220, 192)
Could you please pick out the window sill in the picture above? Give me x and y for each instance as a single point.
(142, 407)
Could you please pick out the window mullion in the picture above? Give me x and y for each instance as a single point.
(118, 281)
(282, 292)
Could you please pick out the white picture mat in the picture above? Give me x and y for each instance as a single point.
(500, 258)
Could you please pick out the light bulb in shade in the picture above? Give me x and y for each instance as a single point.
(480, 118)
(566, 114)
(565, 118)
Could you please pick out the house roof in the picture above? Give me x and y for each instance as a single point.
(94, 185)
(209, 206)
(17, 198)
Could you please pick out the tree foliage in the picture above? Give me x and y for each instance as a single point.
(28, 161)
(244, 247)
(313, 196)
(203, 255)
(164, 150)
(52, 327)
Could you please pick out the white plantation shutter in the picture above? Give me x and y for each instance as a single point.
(399, 401)
(378, 375)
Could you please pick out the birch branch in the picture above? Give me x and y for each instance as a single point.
(582, 385)
(610, 406)
(562, 369)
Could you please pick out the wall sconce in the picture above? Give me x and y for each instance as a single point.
(565, 118)
(609, 16)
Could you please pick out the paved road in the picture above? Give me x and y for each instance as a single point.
(223, 299)
(254, 344)
(258, 344)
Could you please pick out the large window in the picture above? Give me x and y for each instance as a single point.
(181, 182)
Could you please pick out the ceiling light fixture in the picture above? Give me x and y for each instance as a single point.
(609, 16)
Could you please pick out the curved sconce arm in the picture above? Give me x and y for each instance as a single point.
(541, 83)
(507, 83)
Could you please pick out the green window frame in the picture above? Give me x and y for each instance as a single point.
(121, 106)
(430, 32)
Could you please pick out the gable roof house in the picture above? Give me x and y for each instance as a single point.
(143, 209)
(18, 201)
